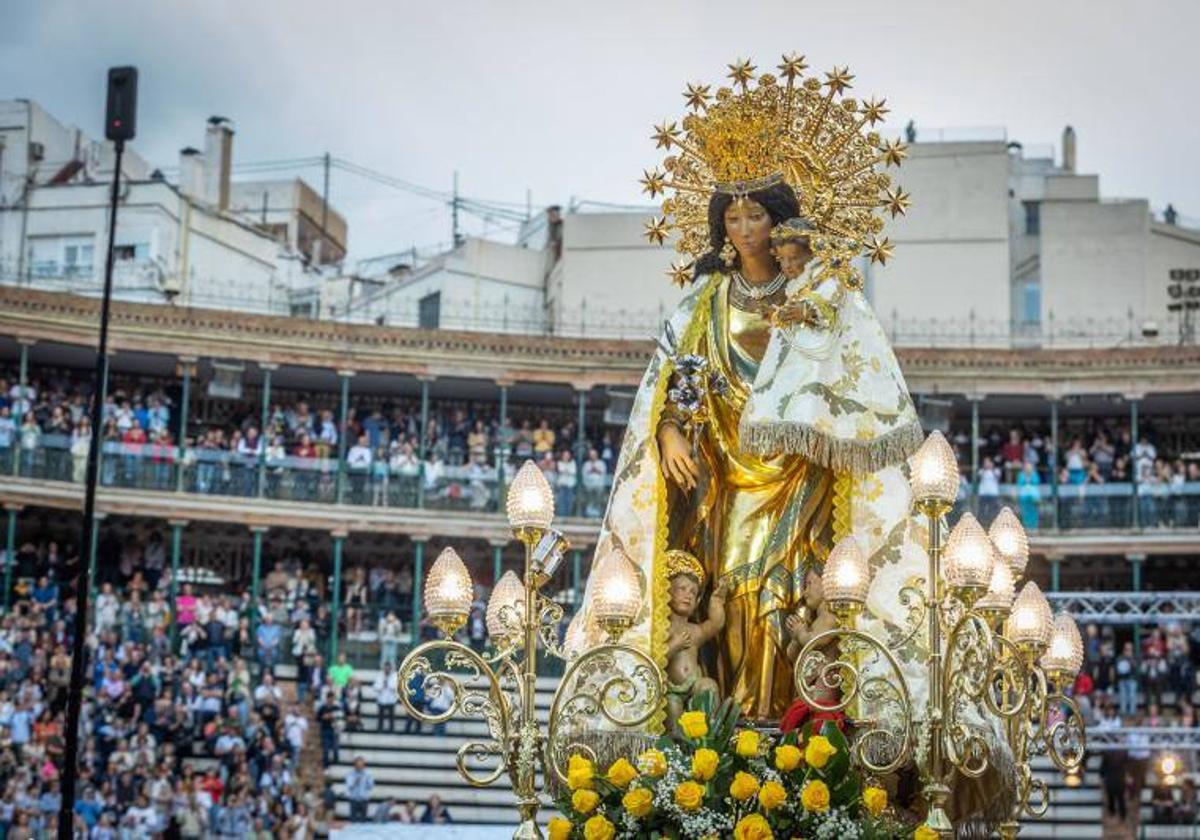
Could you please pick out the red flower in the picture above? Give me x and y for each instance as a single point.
(799, 712)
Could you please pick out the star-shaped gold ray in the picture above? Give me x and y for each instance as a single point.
(897, 201)
(741, 71)
(873, 110)
(654, 182)
(879, 250)
(665, 135)
(656, 230)
(680, 273)
(838, 79)
(894, 151)
(792, 67)
(697, 96)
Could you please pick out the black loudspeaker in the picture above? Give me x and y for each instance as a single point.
(120, 121)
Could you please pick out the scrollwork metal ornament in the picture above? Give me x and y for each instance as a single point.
(982, 690)
(610, 687)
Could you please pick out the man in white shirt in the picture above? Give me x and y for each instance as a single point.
(295, 728)
(358, 464)
(385, 698)
(595, 471)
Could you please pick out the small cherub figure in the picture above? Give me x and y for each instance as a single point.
(791, 247)
(809, 621)
(685, 677)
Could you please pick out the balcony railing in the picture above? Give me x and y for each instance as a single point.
(1082, 507)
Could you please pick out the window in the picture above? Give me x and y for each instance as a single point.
(429, 311)
(61, 256)
(1033, 218)
(1028, 303)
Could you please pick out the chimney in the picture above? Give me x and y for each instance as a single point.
(218, 161)
(1068, 146)
(191, 173)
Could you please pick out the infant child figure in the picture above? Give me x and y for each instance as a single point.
(812, 619)
(685, 677)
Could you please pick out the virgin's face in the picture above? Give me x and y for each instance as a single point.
(748, 226)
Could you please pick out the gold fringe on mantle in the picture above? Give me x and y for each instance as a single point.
(838, 454)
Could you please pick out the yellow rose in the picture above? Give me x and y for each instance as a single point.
(704, 764)
(560, 829)
(771, 796)
(621, 773)
(924, 832)
(875, 800)
(598, 828)
(753, 827)
(743, 786)
(581, 773)
(787, 758)
(652, 763)
(693, 724)
(819, 751)
(747, 743)
(585, 801)
(689, 795)
(638, 802)
(814, 796)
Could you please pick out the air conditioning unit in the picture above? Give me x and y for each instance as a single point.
(226, 382)
(37, 152)
(620, 404)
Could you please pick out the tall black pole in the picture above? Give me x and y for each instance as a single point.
(82, 582)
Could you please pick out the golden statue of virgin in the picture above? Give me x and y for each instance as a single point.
(773, 419)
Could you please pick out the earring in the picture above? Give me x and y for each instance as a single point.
(728, 253)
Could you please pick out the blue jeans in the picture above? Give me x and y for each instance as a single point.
(1127, 691)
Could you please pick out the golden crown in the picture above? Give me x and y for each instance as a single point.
(680, 562)
(790, 128)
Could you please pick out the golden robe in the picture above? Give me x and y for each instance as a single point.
(754, 521)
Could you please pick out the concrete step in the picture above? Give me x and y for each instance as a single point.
(1046, 830)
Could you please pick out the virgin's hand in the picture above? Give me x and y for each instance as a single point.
(677, 462)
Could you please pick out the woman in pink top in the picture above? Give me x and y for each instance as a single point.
(185, 606)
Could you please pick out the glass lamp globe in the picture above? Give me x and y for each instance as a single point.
(1064, 656)
(448, 592)
(506, 610)
(530, 502)
(1030, 622)
(969, 556)
(1001, 590)
(846, 578)
(1011, 542)
(935, 471)
(618, 594)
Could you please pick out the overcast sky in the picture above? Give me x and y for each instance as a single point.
(558, 97)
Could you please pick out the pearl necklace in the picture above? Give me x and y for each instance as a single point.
(758, 292)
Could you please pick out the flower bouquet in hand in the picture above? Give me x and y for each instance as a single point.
(713, 777)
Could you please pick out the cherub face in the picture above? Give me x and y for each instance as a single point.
(684, 592)
(792, 257)
(813, 596)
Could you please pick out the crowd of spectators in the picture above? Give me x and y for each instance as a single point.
(45, 426)
(1143, 683)
(190, 732)
(1096, 470)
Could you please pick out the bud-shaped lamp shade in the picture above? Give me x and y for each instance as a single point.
(618, 593)
(1001, 589)
(847, 575)
(935, 470)
(506, 608)
(1030, 622)
(1064, 656)
(530, 500)
(448, 593)
(969, 554)
(1012, 545)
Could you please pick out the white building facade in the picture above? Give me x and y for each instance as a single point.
(185, 244)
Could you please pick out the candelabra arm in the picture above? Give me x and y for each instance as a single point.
(886, 744)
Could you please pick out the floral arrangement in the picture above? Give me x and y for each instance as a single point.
(714, 778)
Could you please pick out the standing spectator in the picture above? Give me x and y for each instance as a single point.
(1113, 772)
(358, 465)
(295, 728)
(595, 473)
(390, 631)
(340, 672)
(989, 490)
(327, 719)
(543, 438)
(359, 784)
(267, 639)
(385, 698)
(1127, 681)
(1029, 496)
